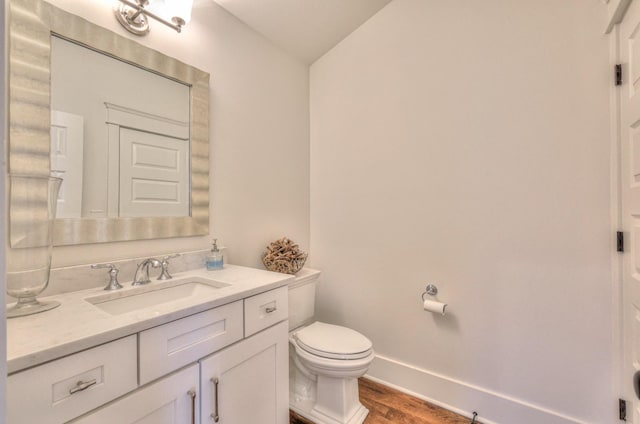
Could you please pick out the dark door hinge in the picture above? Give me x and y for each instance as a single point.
(622, 406)
(618, 74)
(619, 241)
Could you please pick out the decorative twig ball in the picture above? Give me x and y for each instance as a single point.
(284, 256)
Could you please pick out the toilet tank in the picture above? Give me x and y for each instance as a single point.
(302, 297)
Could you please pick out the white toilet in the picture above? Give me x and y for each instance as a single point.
(325, 360)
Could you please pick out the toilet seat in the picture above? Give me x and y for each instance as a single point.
(333, 342)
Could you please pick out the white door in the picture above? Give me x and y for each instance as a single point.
(629, 33)
(67, 138)
(154, 174)
(171, 400)
(249, 381)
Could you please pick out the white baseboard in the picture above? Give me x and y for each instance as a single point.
(460, 397)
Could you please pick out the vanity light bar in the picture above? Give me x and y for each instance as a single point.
(135, 20)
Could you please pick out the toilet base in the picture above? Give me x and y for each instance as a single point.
(335, 402)
(305, 409)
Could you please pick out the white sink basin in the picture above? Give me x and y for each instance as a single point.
(154, 294)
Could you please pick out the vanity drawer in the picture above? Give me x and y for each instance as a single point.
(265, 309)
(54, 392)
(173, 345)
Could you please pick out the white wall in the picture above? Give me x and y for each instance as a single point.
(467, 144)
(259, 135)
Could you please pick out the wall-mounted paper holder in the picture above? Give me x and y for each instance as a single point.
(432, 305)
(431, 290)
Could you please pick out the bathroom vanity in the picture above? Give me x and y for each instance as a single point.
(202, 347)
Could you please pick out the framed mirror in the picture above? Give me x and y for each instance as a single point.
(149, 159)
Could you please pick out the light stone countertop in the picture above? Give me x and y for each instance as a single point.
(77, 324)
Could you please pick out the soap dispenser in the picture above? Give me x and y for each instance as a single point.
(215, 259)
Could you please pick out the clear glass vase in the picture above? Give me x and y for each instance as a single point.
(32, 203)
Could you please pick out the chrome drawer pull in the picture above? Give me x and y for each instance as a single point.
(82, 385)
(192, 393)
(215, 415)
(271, 309)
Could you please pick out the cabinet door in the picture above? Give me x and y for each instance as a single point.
(249, 381)
(171, 400)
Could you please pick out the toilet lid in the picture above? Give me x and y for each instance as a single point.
(333, 341)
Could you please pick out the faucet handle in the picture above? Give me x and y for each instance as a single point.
(164, 275)
(113, 275)
(166, 258)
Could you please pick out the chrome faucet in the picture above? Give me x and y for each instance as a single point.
(142, 272)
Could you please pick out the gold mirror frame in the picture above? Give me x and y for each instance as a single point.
(31, 23)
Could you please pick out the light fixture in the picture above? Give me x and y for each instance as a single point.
(134, 14)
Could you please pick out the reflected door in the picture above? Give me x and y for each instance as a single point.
(154, 174)
(67, 135)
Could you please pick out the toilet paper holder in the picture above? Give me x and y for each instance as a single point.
(431, 290)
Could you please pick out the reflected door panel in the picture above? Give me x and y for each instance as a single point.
(154, 174)
(67, 135)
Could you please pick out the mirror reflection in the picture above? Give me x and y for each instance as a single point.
(149, 203)
(120, 137)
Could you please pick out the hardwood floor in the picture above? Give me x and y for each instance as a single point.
(389, 406)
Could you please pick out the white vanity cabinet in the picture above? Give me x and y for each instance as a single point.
(249, 381)
(166, 374)
(170, 400)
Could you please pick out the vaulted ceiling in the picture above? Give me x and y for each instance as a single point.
(307, 29)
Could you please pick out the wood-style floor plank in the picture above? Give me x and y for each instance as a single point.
(390, 406)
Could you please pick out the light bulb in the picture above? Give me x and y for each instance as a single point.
(179, 11)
